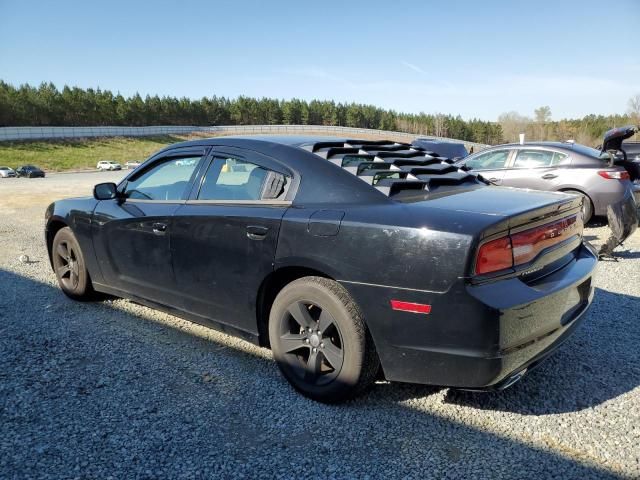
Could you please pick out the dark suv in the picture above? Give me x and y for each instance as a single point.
(29, 171)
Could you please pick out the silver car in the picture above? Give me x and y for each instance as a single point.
(6, 172)
(108, 165)
(556, 166)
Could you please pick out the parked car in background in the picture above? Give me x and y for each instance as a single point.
(350, 259)
(557, 166)
(132, 164)
(453, 150)
(633, 151)
(29, 171)
(6, 172)
(108, 165)
(626, 154)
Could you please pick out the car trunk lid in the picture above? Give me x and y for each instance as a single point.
(532, 230)
(612, 143)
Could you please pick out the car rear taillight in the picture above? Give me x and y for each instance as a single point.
(494, 255)
(523, 247)
(614, 175)
(528, 244)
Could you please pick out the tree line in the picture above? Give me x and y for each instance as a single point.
(588, 130)
(46, 105)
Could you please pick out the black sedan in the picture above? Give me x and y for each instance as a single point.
(350, 259)
(29, 171)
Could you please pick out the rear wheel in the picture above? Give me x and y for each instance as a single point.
(70, 267)
(587, 205)
(320, 341)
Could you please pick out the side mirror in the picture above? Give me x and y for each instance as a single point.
(105, 191)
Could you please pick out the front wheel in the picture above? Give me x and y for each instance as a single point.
(320, 341)
(70, 267)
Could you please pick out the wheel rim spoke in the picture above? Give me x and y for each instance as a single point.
(333, 354)
(300, 314)
(62, 250)
(74, 279)
(63, 270)
(312, 370)
(325, 321)
(292, 341)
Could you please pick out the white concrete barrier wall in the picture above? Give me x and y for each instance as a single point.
(34, 133)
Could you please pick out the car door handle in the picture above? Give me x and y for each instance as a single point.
(256, 232)
(494, 179)
(159, 228)
(549, 176)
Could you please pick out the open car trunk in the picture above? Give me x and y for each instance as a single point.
(612, 143)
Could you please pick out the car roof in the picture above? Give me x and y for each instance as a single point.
(392, 168)
(438, 141)
(562, 145)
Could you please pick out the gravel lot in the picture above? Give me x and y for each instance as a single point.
(116, 390)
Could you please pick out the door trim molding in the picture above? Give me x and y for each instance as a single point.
(264, 203)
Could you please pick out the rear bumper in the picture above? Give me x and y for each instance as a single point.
(480, 336)
(606, 192)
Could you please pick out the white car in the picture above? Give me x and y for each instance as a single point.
(132, 164)
(108, 165)
(6, 172)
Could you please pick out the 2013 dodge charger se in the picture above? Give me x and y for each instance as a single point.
(350, 259)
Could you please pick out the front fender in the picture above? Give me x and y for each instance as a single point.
(75, 213)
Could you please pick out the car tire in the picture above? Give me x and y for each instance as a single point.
(587, 205)
(70, 267)
(320, 341)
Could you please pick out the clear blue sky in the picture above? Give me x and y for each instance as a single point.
(473, 58)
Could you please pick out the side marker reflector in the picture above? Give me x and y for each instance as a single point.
(410, 307)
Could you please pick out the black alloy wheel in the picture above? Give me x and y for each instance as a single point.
(68, 270)
(312, 343)
(320, 341)
(69, 266)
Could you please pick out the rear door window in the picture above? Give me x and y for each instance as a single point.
(489, 161)
(230, 179)
(533, 158)
(560, 159)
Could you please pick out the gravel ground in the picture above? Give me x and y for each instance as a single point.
(116, 390)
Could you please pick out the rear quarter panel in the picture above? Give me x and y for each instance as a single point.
(407, 258)
(602, 192)
(383, 245)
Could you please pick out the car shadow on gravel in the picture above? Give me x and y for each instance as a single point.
(94, 390)
(625, 255)
(598, 363)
